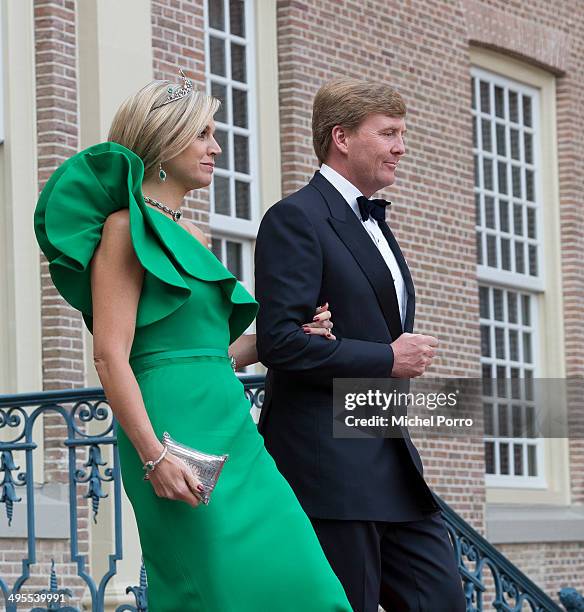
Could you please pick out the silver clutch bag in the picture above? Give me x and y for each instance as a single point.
(207, 468)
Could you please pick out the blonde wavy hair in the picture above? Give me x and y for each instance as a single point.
(159, 134)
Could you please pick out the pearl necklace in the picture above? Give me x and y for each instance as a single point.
(175, 214)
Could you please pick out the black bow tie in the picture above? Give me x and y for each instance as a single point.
(372, 208)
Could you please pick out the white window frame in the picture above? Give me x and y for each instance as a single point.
(246, 256)
(223, 226)
(512, 480)
(486, 273)
(497, 278)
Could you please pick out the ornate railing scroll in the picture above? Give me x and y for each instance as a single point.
(483, 569)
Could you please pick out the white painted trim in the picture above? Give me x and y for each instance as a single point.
(20, 304)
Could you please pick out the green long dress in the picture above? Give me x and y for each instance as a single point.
(252, 549)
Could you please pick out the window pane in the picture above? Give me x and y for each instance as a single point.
(216, 16)
(518, 219)
(238, 67)
(485, 341)
(490, 212)
(217, 55)
(488, 419)
(516, 181)
(475, 142)
(220, 92)
(492, 251)
(527, 347)
(502, 177)
(500, 343)
(519, 257)
(527, 120)
(222, 160)
(237, 17)
(504, 458)
(529, 422)
(487, 173)
(511, 307)
(486, 135)
(504, 215)
(485, 97)
(529, 186)
(518, 459)
(531, 460)
(501, 145)
(506, 254)
(532, 258)
(499, 102)
(222, 198)
(484, 302)
(513, 108)
(514, 134)
(513, 345)
(234, 259)
(531, 222)
(216, 248)
(241, 153)
(498, 302)
(239, 108)
(242, 200)
(528, 146)
(525, 310)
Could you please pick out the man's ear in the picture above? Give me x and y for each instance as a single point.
(339, 139)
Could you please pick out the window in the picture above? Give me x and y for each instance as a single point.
(234, 218)
(509, 250)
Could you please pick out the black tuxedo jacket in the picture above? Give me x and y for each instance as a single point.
(311, 249)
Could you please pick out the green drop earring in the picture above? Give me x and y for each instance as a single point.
(161, 173)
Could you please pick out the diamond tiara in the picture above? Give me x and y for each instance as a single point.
(176, 93)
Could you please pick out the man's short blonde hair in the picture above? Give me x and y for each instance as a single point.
(347, 102)
(159, 134)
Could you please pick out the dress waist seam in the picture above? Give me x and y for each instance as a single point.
(140, 363)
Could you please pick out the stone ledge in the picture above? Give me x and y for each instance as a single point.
(51, 514)
(519, 523)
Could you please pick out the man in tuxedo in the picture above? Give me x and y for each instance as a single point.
(376, 518)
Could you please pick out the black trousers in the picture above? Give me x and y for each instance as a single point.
(404, 567)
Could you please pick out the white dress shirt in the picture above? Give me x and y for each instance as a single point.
(351, 193)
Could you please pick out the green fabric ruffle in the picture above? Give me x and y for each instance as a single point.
(69, 220)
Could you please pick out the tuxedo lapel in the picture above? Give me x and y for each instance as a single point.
(408, 282)
(355, 237)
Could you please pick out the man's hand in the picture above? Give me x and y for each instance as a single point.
(412, 354)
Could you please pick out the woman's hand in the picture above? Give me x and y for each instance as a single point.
(172, 479)
(321, 324)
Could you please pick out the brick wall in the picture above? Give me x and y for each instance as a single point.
(58, 139)
(178, 39)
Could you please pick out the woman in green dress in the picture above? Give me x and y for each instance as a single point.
(165, 316)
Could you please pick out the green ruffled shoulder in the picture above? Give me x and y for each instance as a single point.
(68, 224)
